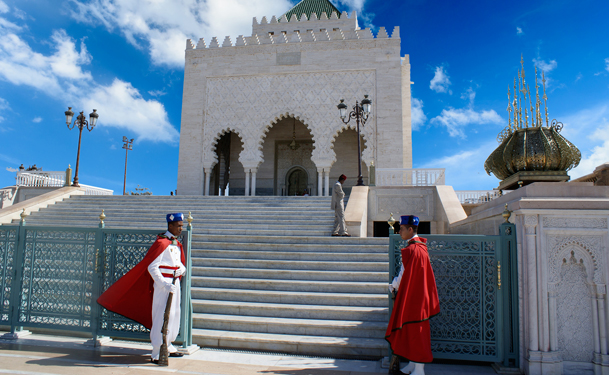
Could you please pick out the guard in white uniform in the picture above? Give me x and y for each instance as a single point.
(162, 271)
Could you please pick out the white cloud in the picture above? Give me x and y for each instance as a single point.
(120, 105)
(547, 67)
(456, 119)
(588, 130)
(3, 7)
(3, 105)
(162, 26)
(157, 93)
(440, 81)
(37, 119)
(60, 75)
(519, 31)
(469, 95)
(470, 160)
(417, 115)
(11, 169)
(607, 64)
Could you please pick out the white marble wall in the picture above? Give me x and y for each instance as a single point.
(248, 85)
(563, 255)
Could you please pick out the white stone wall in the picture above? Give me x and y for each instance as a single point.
(248, 85)
(563, 270)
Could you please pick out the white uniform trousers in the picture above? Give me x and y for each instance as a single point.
(159, 301)
(340, 227)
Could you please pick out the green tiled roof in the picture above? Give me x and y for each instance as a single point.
(312, 6)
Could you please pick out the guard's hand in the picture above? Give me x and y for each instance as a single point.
(393, 291)
(180, 271)
(171, 288)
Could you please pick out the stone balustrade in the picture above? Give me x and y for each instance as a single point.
(409, 177)
(41, 179)
(477, 196)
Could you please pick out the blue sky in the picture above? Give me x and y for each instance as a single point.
(125, 58)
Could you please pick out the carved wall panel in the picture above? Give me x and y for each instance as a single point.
(574, 311)
(420, 205)
(249, 105)
(587, 248)
(577, 222)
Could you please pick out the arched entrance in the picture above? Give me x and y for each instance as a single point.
(224, 175)
(296, 181)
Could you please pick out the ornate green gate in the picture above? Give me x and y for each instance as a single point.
(476, 278)
(52, 277)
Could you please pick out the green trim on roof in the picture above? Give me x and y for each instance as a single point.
(312, 6)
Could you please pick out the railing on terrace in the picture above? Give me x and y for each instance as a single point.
(477, 196)
(54, 179)
(409, 177)
(41, 179)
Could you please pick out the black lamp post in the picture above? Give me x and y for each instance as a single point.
(80, 122)
(128, 146)
(360, 113)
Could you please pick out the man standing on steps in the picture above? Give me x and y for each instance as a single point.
(141, 294)
(338, 205)
(408, 332)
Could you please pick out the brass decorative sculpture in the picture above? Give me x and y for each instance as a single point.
(530, 150)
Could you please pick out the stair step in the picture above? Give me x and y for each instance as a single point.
(298, 344)
(290, 285)
(291, 297)
(290, 255)
(290, 264)
(287, 239)
(291, 326)
(283, 274)
(291, 247)
(241, 308)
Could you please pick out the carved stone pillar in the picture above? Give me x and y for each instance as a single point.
(327, 183)
(207, 179)
(247, 182)
(320, 177)
(530, 225)
(254, 182)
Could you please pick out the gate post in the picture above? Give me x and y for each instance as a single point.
(16, 330)
(186, 310)
(509, 271)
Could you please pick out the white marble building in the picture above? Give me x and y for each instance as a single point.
(247, 98)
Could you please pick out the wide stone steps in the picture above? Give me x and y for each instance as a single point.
(337, 346)
(289, 285)
(286, 310)
(266, 274)
(312, 327)
(283, 274)
(291, 297)
(288, 264)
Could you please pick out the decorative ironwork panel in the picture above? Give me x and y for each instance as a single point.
(465, 267)
(8, 243)
(121, 252)
(57, 283)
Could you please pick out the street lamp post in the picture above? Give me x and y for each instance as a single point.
(80, 122)
(128, 146)
(360, 113)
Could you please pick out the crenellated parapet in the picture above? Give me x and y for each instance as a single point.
(296, 36)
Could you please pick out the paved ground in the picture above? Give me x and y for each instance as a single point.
(52, 355)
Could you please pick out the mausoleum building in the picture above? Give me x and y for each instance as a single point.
(259, 112)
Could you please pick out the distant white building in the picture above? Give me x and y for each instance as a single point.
(263, 107)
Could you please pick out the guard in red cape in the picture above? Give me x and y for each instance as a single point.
(416, 301)
(141, 294)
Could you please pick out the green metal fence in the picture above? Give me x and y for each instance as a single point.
(52, 277)
(477, 287)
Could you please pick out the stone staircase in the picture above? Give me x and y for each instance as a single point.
(267, 275)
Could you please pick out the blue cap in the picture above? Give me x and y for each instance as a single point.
(175, 217)
(409, 220)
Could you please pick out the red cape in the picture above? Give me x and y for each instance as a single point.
(417, 301)
(131, 295)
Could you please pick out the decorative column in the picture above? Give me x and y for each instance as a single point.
(530, 225)
(254, 171)
(320, 178)
(247, 182)
(327, 183)
(207, 179)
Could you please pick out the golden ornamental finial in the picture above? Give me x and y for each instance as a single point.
(545, 98)
(23, 215)
(102, 217)
(189, 219)
(506, 214)
(391, 221)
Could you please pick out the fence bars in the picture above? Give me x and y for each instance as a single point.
(52, 277)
